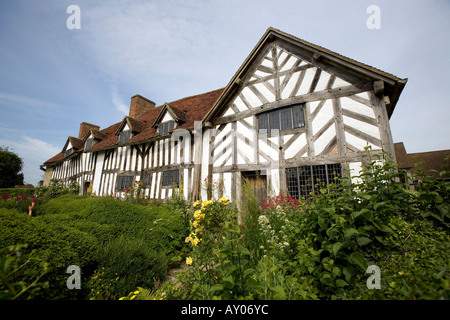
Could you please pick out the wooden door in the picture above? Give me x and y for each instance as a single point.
(258, 183)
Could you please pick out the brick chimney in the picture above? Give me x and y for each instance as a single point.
(139, 104)
(85, 127)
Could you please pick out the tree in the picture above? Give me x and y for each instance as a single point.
(10, 168)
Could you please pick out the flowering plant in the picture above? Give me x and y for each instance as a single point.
(285, 201)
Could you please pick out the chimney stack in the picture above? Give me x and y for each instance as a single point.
(139, 104)
(85, 127)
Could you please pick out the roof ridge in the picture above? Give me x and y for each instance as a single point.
(338, 55)
(193, 96)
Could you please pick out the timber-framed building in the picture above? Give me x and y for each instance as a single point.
(294, 114)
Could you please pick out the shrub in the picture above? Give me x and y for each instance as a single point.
(56, 244)
(12, 261)
(139, 240)
(132, 263)
(320, 247)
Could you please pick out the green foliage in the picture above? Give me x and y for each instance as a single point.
(433, 198)
(17, 191)
(10, 168)
(12, 262)
(56, 244)
(320, 247)
(132, 262)
(55, 189)
(134, 241)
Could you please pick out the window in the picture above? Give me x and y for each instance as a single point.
(165, 127)
(285, 118)
(68, 152)
(301, 181)
(124, 182)
(124, 136)
(171, 177)
(89, 143)
(145, 179)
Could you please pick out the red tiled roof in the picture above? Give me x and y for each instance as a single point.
(56, 158)
(194, 109)
(190, 109)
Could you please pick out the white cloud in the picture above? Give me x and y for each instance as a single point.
(117, 101)
(33, 152)
(21, 101)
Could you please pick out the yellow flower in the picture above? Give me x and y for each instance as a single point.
(195, 224)
(188, 260)
(188, 239)
(136, 292)
(196, 203)
(223, 200)
(132, 297)
(123, 298)
(197, 214)
(195, 241)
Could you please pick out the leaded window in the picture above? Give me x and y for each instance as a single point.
(68, 152)
(89, 143)
(302, 181)
(146, 178)
(124, 136)
(285, 118)
(124, 182)
(165, 127)
(170, 178)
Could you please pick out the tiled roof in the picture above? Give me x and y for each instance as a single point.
(189, 110)
(56, 158)
(431, 162)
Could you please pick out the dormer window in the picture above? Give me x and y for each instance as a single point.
(165, 127)
(68, 152)
(124, 136)
(89, 143)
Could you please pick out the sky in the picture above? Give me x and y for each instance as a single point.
(53, 77)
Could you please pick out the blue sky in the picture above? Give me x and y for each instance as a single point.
(53, 78)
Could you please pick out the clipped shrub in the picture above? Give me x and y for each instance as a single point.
(132, 262)
(56, 244)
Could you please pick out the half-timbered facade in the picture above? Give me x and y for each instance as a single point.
(294, 115)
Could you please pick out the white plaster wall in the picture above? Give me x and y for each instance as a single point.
(324, 139)
(98, 172)
(355, 169)
(295, 147)
(307, 80)
(362, 126)
(251, 97)
(167, 117)
(352, 105)
(325, 114)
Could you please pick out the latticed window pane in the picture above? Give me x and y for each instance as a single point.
(262, 119)
(298, 116)
(292, 182)
(165, 127)
(171, 125)
(124, 182)
(124, 136)
(334, 172)
(319, 177)
(286, 118)
(68, 152)
(305, 180)
(274, 120)
(89, 143)
(282, 119)
(302, 181)
(146, 178)
(171, 177)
